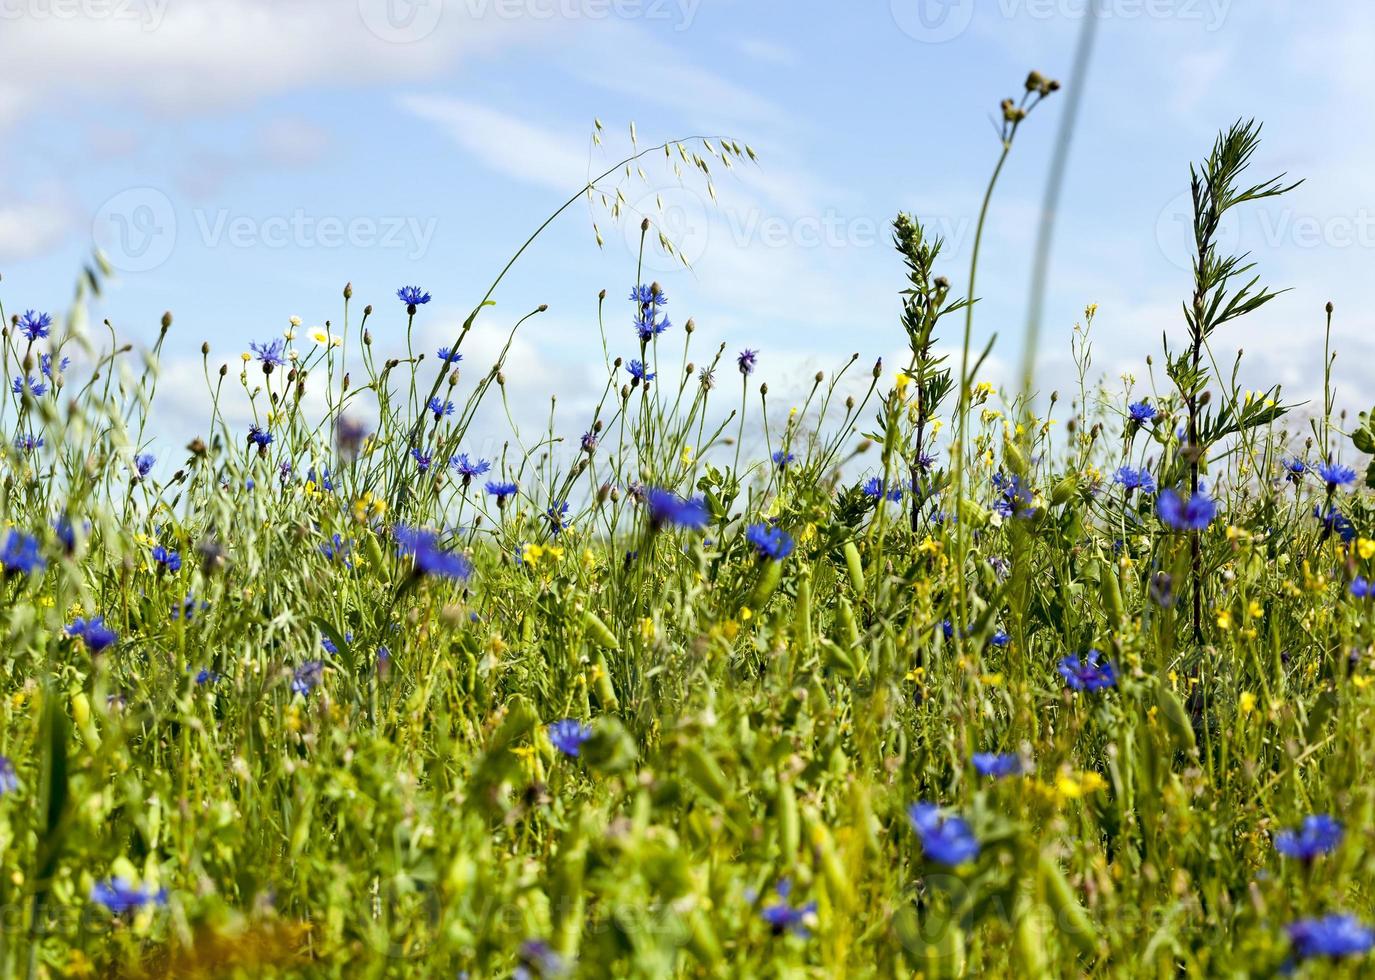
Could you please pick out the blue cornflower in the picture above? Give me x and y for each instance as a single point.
(650, 295)
(1335, 522)
(1014, 499)
(9, 779)
(440, 407)
(1362, 588)
(589, 441)
(412, 296)
(1088, 674)
(28, 443)
(260, 437)
(1294, 469)
(649, 324)
(782, 458)
(143, 464)
(32, 385)
(1193, 513)
(639, 372)
(1000, 638)
(1335, 475)
(666, 507)
(769, 542)
(329, 645)
(206, 676)
(502, 491)
(66, 532)
(568, 735)
(45, 364)
(337, 549)
(1317, 835)
(430, 559)
(945, 840)
(746, 361)
(92, 632)
(997, 765)
(557, 513)
(449, 356)
(169, 560)
(35, 326)
(271, 353)
(469, 468)
(875, 488)
(422, 460)
(122, 896)
(20, 556)
(188, 607)
(1142, 412)
(324, 480)
(538, 959)
(307, 677)
(783, 917)
(1131, 479)
(1332, 936)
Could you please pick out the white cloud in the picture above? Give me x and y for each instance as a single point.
(32, 226)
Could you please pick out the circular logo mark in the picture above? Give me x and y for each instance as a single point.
(401, 21)
(680, 216)
(136, 229)
(1174, 232)
(932, 21)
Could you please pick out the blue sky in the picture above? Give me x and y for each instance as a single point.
(257, 154)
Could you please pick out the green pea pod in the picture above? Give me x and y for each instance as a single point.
(705, 772)
(804, 614)
(1029, 942)
(789, 830)
(769, 577)
(606, 691)
(598, 632)
(1064, 490)
(1177, 721)
(855, 567)
(832, 869)
(1072, 918)
(846, 614)
(837, 659)
(373, 548)
(1112, 595)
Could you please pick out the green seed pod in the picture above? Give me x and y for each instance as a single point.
(703, 770)
(804, 613)
(1177, 722)
(1111, 591)
(832, 870)
(1070, 916)
(373, 547)
(769, 577)
(606, 691)
(1029, 942)
(837, 659)
(845, 613)
(789, 830)
(855, 566)
(1064, 490)
(1013, 457)
(598, 632)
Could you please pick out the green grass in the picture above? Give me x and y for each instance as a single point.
(752, 720)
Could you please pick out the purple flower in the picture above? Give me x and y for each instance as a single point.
(143, 464)
(429, 557)
(769, 542)
(783, 917)
(746, 361)
(1335, 475)
(568, 735)
(122, 896)
(32, 385)
(502, 491)
(945, 840)
(93, 633)
(19, 555)
(1130, 479)
(271, 353)
(469, 468)
(666, 507)
(35, 325)
(1335, 522)
(1317, 835)
(1193, 513)
(422, 460)
(874, 488)
(1142, 412)
(9, 779)
(639, 372)
(1333, 936)
(996, 765)
(782, 458)
(440, 407)
(412, 296)
(307, 677)
(1088, 674)
(449, 356)
(260, 437)
(169, 560)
